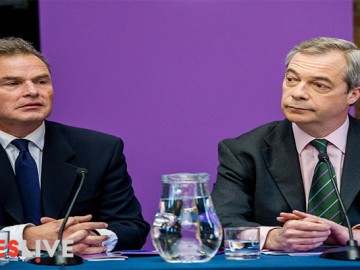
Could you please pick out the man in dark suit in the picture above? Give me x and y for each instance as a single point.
(265, 176)
(106, 214)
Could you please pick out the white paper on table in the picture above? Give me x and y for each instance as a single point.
(313, 252)
(105, 256)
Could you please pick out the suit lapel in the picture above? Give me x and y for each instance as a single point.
(58, 175)
(10, 198)
(283, 167)
(350, 184)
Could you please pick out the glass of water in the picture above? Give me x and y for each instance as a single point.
(4, 247)
(242, 243)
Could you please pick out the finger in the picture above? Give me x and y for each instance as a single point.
(314, 220)
(289, 216)
(97, 240)
(306, 226)
(309, 217)
(300, 240)
(77, 236)
(301, 214)
(81, 219)
(285, 219)
(44, 220)
(88, 226)
(71, 221)
(297, 240)
(281, 219)
(77, 248)
(298, 215)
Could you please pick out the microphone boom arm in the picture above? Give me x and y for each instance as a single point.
(58, 259)
(324, 157)
(83, 173)
(351, 251)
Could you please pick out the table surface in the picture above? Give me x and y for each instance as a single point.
(218, 262)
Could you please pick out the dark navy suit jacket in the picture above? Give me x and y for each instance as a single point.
(107, 192)
(259, 176)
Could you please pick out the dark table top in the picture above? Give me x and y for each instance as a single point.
(218, 262)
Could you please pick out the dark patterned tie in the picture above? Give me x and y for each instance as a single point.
(323, 201)
(28, 181)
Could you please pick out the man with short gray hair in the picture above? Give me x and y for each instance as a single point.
(272, 176)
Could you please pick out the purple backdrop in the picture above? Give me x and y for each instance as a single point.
(173, 78)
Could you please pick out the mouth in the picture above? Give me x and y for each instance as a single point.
(297, 108)
(31, 105)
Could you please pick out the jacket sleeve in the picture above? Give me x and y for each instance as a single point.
(118, 205)
(233, 192)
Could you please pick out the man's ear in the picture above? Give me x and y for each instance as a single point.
(353, 95)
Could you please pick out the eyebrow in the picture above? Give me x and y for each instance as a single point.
(20, 78)
(321, 78)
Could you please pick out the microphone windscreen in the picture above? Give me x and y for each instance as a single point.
(81, 170)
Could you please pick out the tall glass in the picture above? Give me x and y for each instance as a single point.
(4, 247)
(186, 227)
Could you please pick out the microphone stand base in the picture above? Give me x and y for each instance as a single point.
(347, 253)
(57, 260)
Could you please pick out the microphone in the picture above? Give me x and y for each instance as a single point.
(350, 252)
(58, 259)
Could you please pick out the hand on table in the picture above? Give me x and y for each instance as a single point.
(297, 234)
(79, 229)
(339, 234)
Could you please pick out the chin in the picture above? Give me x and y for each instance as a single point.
(35, 116)
(32, 119)
(297, 119)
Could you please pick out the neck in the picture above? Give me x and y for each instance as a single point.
(316, 133)
(20, 130)
(317, 130)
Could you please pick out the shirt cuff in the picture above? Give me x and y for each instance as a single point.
(111, 242)
(264, 231)
(16, 233)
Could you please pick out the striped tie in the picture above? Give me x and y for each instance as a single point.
(323, 201)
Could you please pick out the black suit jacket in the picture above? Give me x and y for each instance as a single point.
(259, 176)
(107, 192)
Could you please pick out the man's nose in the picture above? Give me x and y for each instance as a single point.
(31, 89)
(300, 91)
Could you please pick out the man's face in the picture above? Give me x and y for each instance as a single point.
(26, 92)
(315, 94)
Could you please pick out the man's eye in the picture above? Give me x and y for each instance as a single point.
(290, 79)
(321, 86)
(42, 81)
(12, 83)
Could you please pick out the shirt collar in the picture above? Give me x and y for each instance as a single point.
(337, 138)
(37, 137)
